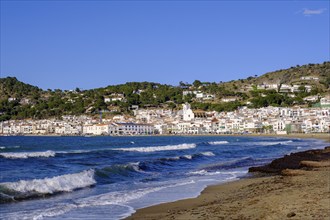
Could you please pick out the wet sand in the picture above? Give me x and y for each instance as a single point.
(291, 192)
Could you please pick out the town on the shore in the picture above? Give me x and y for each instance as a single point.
(269, 120)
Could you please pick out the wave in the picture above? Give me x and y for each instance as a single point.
(217, 142)
(208, 153)
(120, 169)
(203, 173)
(24, 155)
(119, 198)
(24, 189)
(8, 147)
(240, 162)
(189, 157)
(159, 148)
(143, 167)
(272, 143)
(126, 196)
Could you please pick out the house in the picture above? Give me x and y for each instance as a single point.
(11, 99)
(115, 97)
(325, 101)
(229, 99)
(96, 129)
(25, 101)
(313, 98)
(285, 88)
(130, 129)
(309, 78)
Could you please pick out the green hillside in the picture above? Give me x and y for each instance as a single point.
(20, 101)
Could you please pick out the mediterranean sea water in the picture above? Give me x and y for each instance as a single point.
(110, 177)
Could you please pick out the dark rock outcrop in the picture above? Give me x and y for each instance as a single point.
(293, 161)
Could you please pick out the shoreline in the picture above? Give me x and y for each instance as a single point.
(323, 136)
(291, 194)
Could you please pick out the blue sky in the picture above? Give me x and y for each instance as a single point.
(90, 44)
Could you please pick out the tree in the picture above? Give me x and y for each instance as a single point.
(100, 104)
(197, 84)
(302, 88)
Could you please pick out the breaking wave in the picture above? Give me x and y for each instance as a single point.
(272, 143)
(120, 169)
(24, 155)
(159, 148)
(120, 198)
(208, 153)
(24, 189)
(8, 147)
(217, 142)
(189, 157)
(143, 167)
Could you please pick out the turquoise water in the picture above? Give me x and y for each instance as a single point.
(110, 177)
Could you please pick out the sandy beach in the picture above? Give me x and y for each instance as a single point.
(297, 188)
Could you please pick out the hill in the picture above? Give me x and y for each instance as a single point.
(279, 88)
(293, 75)
(11, 87)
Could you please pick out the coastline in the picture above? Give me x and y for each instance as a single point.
(293, 194)
(323, 136)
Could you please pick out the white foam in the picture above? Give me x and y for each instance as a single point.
(189, 157)
(203, 173)
(217, 142)
(208, 153)
(64, 183)
(263, 143)
(159, 148)
(136, 167)
(24, 155)
(123, 197)
(9, 147)
(120, 198)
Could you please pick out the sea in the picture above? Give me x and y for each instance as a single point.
(111, 177)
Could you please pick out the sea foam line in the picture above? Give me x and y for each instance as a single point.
(24, 155)
(217, 142)
(9, 147)
(159, 148)
(272, 143)
(120, 198)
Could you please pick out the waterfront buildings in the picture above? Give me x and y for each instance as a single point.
(186, 121)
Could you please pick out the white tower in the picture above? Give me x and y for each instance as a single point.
(188, 114)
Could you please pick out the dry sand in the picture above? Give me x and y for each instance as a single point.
(301, 193)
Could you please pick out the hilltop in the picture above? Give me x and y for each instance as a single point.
(293, 75)
(299, 85)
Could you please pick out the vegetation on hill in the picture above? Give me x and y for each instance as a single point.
(20, 101)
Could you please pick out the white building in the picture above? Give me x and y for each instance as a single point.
(96, 129)
(130, 129)
(229, 99)
(325, 101)
(187, 113)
